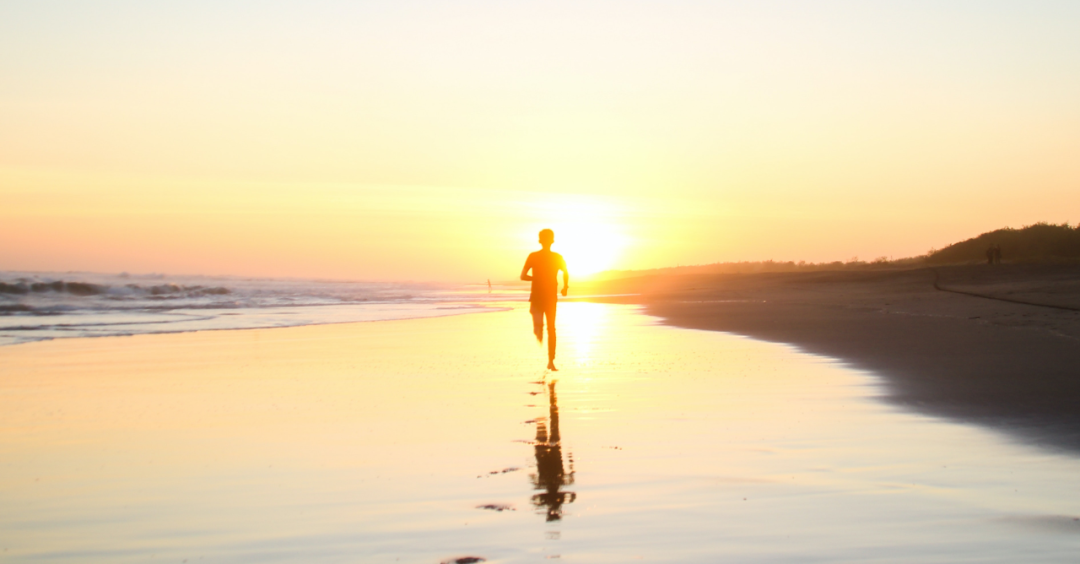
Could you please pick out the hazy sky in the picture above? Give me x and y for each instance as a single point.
(431, 140)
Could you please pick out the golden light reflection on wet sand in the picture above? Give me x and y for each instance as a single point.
(581, 323)
(425, 440)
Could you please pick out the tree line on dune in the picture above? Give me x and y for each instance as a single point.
(1041, 242)
(1038, 243)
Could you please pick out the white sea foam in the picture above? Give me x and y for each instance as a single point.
(39, 306)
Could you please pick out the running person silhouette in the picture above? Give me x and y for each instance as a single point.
(545, 266)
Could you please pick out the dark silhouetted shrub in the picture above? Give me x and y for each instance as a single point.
(1038, 242)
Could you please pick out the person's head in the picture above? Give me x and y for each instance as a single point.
(547, 237)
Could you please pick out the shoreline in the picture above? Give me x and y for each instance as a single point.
(431, 312)
(994, 346)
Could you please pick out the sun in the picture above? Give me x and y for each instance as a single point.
(590, 232)
(588, 247)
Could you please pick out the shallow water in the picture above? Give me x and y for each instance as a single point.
(44, 306)
(434, 439)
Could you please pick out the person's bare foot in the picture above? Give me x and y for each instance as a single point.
(551, 366)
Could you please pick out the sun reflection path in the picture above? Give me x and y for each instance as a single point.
(579, 326)
(583, 323)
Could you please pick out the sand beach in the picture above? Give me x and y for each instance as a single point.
(995, 345)
(440, 440)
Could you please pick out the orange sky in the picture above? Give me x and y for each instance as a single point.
(424, 141)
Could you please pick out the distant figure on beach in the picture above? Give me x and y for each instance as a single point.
(997, 253)
(545, 266)
(990, 255)
(489, 285)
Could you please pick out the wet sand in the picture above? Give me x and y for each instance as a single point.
(998, 346)
(443, 440)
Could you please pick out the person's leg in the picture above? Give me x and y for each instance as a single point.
(538, 320)
(550, 314)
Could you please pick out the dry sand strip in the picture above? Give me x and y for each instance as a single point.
(1008, 365)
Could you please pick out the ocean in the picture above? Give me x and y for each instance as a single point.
(37, 306)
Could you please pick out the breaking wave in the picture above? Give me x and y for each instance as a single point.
(39, 306)
(161, 291)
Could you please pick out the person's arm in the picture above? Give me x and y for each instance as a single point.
(525, 269)
(565, 278)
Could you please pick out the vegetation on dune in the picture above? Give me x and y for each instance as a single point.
(1040, 242)
(755, 267)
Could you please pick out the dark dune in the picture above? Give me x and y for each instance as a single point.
(944, 340)
(1040, 242)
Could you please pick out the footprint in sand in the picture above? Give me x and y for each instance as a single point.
(500, 507)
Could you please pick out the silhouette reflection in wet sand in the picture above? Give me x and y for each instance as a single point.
(543, 298)
(550, 475)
